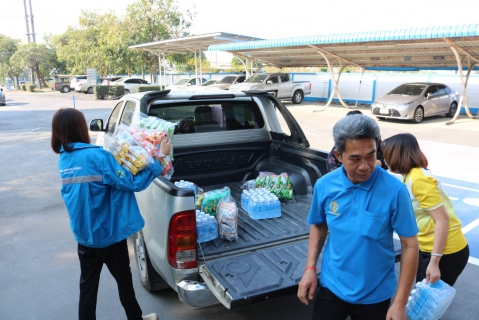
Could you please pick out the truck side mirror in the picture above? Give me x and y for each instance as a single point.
(429, 95)
(269, 82)
(96, 125)
(189, 84)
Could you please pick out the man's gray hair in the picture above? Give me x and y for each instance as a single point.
(354, 127)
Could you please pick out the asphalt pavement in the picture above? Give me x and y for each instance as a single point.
(38, 261)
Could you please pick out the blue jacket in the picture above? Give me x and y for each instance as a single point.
(99, 195)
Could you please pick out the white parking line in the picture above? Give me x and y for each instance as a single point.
(474, 261)
(32, 130)
(459, 187)
(470, 226)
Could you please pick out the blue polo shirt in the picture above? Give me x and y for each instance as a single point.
(358, 260)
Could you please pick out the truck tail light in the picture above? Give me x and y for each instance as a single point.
(79, 84)
(182, 238)
(310, 86)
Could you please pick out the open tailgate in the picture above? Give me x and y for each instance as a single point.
(242, 280)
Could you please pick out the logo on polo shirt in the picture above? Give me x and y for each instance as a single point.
(120, 174)
(334, 206)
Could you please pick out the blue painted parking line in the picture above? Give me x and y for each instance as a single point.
(465, 198)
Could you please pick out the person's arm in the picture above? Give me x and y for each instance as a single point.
(409, 261)
(309, 281)
(441, 219)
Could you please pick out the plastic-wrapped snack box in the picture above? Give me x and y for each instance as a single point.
(212, 198)
(128, 154)
(227, 216)
(279, 185)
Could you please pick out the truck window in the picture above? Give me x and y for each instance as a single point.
(113, 118)
(127, 116)
(193, 118)
(274, 79)
(284, 78)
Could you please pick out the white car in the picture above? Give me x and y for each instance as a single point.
(228, 81)
(76, 82)
(183, 84)
(131, 84)
(210, 82)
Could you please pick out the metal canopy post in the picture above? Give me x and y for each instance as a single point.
(201, 67)
(463, 97)
(164, 69)
(196, 68)
(159, 69)
(244, 65)
(335, 83)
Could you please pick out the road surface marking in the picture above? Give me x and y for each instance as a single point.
(454, 186)
(474, 261)
(471, 201)
(470, 226)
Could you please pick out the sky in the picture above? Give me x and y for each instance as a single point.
(268, 19)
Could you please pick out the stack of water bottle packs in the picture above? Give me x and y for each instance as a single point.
(260, 203)
(187, 185)
(218, 215)
(206, 227)
(429, 301)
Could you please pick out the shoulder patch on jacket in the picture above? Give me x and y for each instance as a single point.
(120, 173)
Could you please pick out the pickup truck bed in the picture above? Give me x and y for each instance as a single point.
(257, 233)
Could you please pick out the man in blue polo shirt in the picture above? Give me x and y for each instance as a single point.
(361, 205)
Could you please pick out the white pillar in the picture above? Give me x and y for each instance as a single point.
(335, 83)
(463, 97)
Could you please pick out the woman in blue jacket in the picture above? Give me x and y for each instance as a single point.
(99, 196)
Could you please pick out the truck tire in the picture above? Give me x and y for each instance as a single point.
(90, 90)
(149, 278)
(297, 97)
(65, 89)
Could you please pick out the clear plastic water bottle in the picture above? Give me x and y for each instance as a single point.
(199, 230)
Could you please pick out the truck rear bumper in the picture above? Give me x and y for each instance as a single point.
(195, 294)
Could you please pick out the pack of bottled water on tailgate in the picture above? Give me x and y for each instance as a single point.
(206, 227)
(260, 203)
(187, 185)
(429, 301)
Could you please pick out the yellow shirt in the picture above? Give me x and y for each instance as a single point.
(427, 194)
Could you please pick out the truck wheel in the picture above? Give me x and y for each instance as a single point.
(90, 90)
(149, 278)
(65, 89)
(297, 97)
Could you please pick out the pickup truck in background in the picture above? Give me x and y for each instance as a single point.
(222, 138)
(278, 84)
(62, 83)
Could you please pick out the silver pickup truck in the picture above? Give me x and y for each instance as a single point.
(278, 84)
(222, 139)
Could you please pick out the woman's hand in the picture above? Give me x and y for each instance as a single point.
(433, 274)
(165, 146)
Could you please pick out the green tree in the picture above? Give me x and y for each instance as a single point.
(8, 46)
(34, 56)
(155, 20)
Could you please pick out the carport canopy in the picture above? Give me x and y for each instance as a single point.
(431, 48)
(196, 44)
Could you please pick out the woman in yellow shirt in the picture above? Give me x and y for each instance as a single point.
(443, 248)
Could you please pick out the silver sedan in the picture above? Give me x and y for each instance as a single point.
(415, 101)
